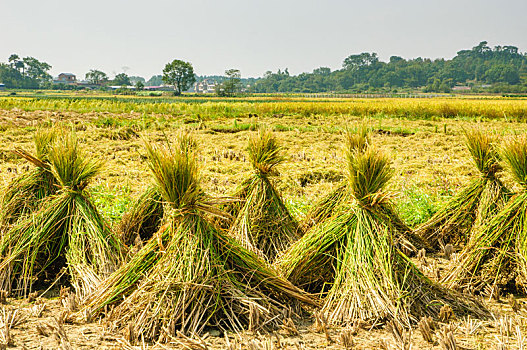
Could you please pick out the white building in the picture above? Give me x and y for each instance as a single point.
(205, 87)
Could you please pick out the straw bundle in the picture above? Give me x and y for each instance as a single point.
(496, 252)
(143, 219)
(353, 260)
(263, 223)
(339, 200)
(354, 140)
(191, 274)
(65, 230)
(23, 195)
(482, 198)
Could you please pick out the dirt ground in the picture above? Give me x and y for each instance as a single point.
(53, 323)
(429, 159)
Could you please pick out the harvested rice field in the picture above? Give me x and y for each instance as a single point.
(424, 246)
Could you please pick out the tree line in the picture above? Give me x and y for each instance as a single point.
(498, 69)
(502, 67)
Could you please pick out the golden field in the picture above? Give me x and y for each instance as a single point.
(423, 137)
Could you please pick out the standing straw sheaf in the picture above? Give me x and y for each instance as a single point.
(496, 253)
(191, 274)
(353, 259)
(143, 219)
(477, 202)
(66, 231)
(339, 200)
(23, 195)
(263, 223)
(355, 140)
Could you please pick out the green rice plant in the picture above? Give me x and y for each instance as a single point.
(482, 198)
(352, 258)
(415, 206)
(263, 222)
(191, 274)
(66, 231)
(23, 195)
(496, 253)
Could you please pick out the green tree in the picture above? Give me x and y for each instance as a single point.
(10, 76)
(155, 80)
(96, 77)
(134, 79)
(15, 62)
(180, 74)
(122, 79)
(36, 70)
(139, 86)
(232, 85)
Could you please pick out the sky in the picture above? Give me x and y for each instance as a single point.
(139, 37)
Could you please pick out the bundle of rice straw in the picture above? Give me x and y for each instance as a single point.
(496, 252)
(481, 199)
(191, 274)
(67, 230)
(23, 195)
(143, 219)
(356, 140)
(339, 200)
(353, 261)
(263, 223)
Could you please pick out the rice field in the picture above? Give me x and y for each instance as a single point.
(225, 184)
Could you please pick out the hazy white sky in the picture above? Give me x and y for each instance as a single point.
(253, 36)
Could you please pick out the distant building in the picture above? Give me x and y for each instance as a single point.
(159, 88)
(117, 87)
(2, 86)
(461, 88)
(205, 87)
(66, 78)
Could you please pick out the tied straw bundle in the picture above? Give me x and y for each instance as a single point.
(67, 230)
(475, 204)
(143, 219)
(496, 253)
(339, 200)
(191, 274)
(356, 140)
(353, 261)
(23, 195)
(263, 223)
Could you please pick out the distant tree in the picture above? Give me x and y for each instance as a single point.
(180, 74)
(27, 73)
(10, 76)
(232, 85)
(395, 59)
(15, 62)
(34, 69)
(364, 59)
(321, 71)
(139, 85)
(96, 77)
(155, 80)
(134, 79)
(122, 79)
